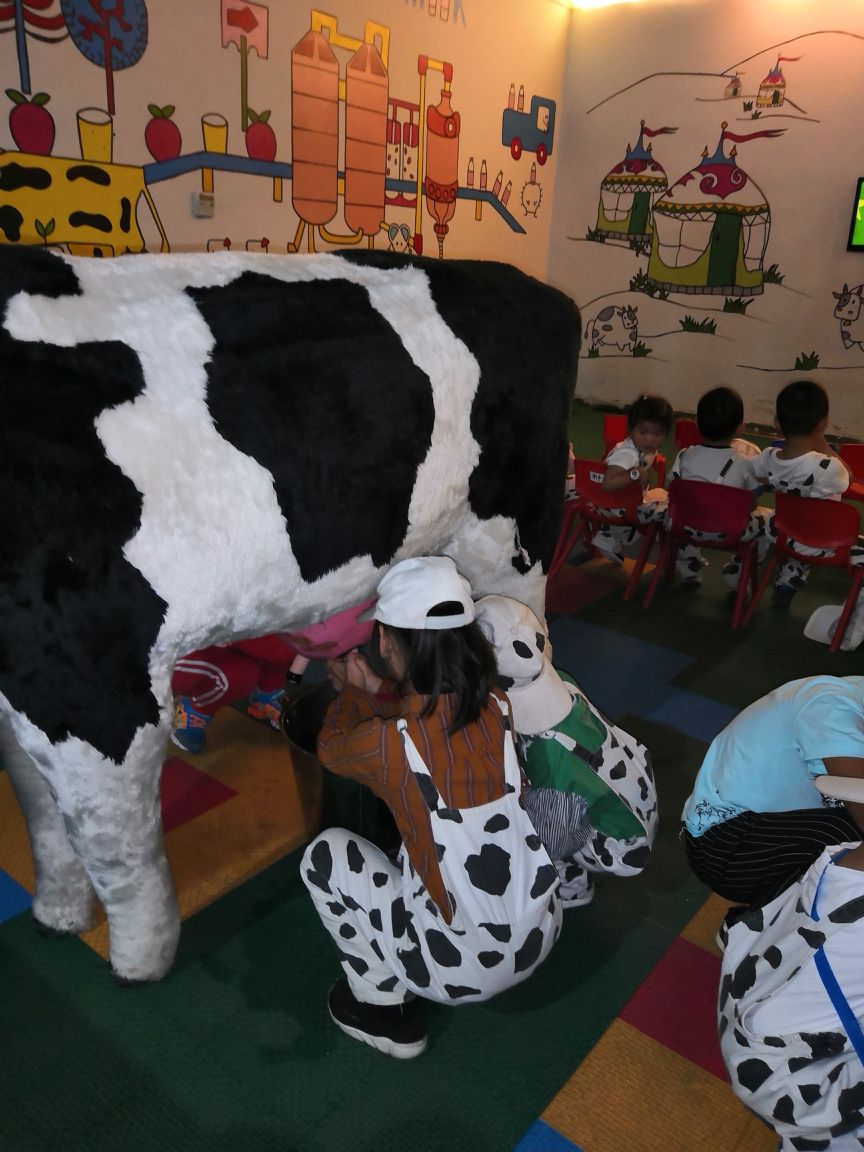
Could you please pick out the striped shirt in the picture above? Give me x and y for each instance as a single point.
(360, 740)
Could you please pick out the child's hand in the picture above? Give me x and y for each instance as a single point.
(359, 674)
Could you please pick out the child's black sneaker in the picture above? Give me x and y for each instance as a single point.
(395, 1029)
(782, 595)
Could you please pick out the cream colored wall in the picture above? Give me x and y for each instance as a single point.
(661, 61)
(490, 43)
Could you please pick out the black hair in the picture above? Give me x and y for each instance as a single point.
(653, 409)
(460, 661)
(801, 406)
(720, 413)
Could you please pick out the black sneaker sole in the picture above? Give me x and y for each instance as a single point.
(383, 1043)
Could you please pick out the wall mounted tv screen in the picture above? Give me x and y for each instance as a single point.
(856, 225)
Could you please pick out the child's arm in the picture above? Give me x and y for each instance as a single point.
(615, 477)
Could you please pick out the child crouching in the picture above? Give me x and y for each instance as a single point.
(585, 772)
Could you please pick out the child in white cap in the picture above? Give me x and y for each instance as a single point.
(469, 906)
(572, 753)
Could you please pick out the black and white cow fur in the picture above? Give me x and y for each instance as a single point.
(204, 447)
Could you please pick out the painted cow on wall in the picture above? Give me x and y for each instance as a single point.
(848, 312)
(197, 448)
(613, 327)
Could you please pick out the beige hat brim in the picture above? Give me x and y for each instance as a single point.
(540, 705)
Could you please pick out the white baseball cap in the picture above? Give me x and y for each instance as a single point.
(412, 589)
(538, 696)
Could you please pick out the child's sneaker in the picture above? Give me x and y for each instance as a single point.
(189, 730)
(782, 596)
(266, 706)
(576, 888)
(607, 549)
(395, 1029)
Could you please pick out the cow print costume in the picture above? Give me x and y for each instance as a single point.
(806, 1084)
(391, 936)
(624, 766)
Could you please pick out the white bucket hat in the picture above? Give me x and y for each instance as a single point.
(414, 588)
(822, 623)
(538, 696)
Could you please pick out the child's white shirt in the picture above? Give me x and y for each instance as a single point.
(811, 474)
(626, 455)
(729, 464)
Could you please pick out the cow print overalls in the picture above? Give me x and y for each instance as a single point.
(390, 934)
(809, 1086)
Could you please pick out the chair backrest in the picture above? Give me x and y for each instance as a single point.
(821, 524)
(853, 454)
(596, 504)
(615, 429)
(716, 512)
(686, 433)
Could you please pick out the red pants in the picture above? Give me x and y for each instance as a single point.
(215, 676)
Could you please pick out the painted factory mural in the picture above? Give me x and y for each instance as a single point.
(701, 242)
(350, 157)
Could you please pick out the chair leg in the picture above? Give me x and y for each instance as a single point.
(848, 608)
(748, 569)
(760, 588)
(659, 567)
(567, 540)
(641, 560)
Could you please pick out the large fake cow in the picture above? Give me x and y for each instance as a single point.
(204, 447)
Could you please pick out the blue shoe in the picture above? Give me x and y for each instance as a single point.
(189, 730)
(266, 706)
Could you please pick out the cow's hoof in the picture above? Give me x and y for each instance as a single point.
(127, 981)
(47, 931)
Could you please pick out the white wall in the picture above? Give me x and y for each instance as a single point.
(663, 61)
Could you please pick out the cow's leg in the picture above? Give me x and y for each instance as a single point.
(114, 824)
(63, 901)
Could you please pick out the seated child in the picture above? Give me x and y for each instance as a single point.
(572, 751)
(806, 465)
(721, 458)
(205, 681)
(791, 1006)
(649, 421)
(470, 906)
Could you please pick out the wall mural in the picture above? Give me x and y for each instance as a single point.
(368, 165)
(700, 242)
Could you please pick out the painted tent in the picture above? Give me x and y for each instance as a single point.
(772, 90)
(629, 190)
(711, 230)
(733, 88)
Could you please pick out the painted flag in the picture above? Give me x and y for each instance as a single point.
(740, 139)
(249, 20)
(42, 18)
(657, 131)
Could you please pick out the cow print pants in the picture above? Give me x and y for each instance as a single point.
(360, 895)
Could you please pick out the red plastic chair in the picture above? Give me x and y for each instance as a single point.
(853, 454)
(597, 507)
(686, 433)
(824, 524)
(615, 429)
(697, 506)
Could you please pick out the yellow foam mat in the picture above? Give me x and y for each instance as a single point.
(631, 1094)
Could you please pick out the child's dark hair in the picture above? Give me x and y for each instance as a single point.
(653, 409)
(720, 413)
(447, 660)
(801, 406)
